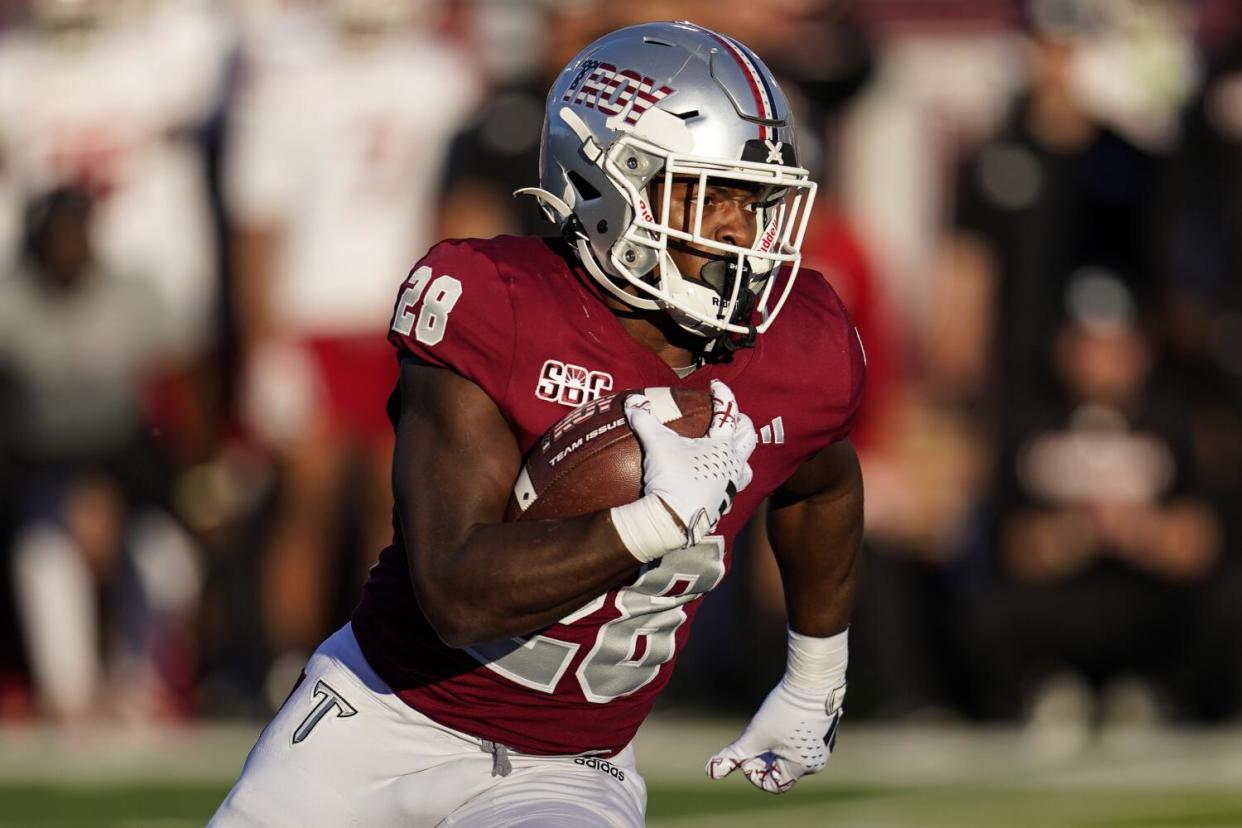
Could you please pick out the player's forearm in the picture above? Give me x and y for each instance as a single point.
(816, 542)
(510, 579)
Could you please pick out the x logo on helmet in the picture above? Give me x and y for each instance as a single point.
(774, 152)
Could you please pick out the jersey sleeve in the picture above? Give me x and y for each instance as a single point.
(454, 311)
(854, 379)
(832, 354)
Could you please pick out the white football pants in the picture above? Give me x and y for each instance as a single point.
(343, 750)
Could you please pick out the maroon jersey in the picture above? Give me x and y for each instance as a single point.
(520, 319)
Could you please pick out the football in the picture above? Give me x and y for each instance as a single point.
(591, 460)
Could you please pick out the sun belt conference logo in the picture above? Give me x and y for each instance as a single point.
(571, 385)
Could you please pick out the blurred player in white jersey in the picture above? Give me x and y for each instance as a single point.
(105, 96)
(345, 114)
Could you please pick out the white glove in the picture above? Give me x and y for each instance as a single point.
(695, 477)
(795, 730)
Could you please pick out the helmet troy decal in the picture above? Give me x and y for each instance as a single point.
(601, 86)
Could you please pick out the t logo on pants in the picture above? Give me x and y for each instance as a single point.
(330, 699)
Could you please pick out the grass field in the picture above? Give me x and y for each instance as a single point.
(948, 776)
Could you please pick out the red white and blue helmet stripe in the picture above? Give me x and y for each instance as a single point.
(756, 79)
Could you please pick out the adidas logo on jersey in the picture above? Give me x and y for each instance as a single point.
(773, 433)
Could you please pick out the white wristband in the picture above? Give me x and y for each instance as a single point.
(647, 529)
(817, 663)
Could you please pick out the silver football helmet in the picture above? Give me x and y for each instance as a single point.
(665, 100)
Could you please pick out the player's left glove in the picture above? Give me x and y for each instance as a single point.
(795, 730)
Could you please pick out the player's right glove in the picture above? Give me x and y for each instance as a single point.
(691, 478)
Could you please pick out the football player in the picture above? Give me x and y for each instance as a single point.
(496, 673)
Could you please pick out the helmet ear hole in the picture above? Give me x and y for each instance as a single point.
(585, 189)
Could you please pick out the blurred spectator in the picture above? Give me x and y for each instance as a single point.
(105, 96)
(1205, 266)
(944, 71)
(106, 582)
(498, 151)
(1056, 188)
(1135, 63)
(1072, 181)
(343, 123)
(1054, 191)
(1109, 560)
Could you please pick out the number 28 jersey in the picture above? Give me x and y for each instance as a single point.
(518, 317)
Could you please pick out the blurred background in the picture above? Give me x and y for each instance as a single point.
(1033, 211)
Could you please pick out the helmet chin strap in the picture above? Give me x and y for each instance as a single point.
(720, 276)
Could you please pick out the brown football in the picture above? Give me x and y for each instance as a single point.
(591, 460)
